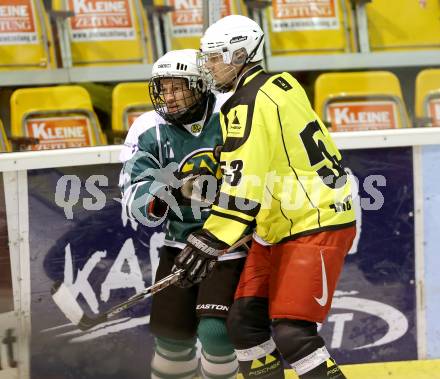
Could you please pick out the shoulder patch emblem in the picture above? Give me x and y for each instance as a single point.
(282, 83)
(237, 121)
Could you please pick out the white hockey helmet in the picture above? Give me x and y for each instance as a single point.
(179, 64)
(232, 33)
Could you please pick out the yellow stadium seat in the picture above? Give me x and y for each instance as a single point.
(129, 100)
(403, 24)
(4, 143)
(105, 32)
(428, 96)
(185, 23)
(352, 101)
(59, 117)
(310, 27)
(26, 40)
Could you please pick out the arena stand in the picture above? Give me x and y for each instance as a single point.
(375, 63)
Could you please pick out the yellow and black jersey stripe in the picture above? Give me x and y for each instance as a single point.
(281, 169)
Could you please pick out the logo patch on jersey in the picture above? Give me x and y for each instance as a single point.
(196, 128)
(237, 121)
(203, 158)
(282, 83)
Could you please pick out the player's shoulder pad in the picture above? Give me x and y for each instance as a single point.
(284, 81)
(143, 123)
(220, 99)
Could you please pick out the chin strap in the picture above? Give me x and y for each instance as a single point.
(197, 116)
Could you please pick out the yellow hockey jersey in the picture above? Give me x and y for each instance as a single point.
(280, 165)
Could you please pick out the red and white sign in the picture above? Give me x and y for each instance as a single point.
(369, 115)
(101, 20)
(59, 132)
(17, 22)
(434, 111)
(187, 17)
(304, 15)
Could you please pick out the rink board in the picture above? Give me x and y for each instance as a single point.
(431, 226)
(383, 310)
(389, 370)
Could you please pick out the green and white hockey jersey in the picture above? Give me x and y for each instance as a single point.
(152, 151)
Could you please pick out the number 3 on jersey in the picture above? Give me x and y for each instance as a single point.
(232, 173)
(334, 177)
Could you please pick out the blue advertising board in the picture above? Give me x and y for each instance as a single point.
(79, 234)
(373, 316)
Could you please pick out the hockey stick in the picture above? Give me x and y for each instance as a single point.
(67, 303)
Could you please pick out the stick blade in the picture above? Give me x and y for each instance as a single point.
(87, 323)
(67, 303)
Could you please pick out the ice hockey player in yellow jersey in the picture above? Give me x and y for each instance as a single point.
(281, 171)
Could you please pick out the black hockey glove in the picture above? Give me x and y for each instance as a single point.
(198, 186)
(198, 258)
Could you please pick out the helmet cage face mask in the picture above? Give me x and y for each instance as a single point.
(179, 100)
(220, 70)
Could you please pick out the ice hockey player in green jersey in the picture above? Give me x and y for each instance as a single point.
(163, 148)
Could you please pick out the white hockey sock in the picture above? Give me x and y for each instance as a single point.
(219, 367)
(170, 364)
(311, 361)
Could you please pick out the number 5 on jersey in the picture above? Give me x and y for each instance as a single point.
(318, 152)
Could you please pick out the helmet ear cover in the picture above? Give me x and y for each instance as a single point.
(239, 57)
(197, 84)
(201, 85)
